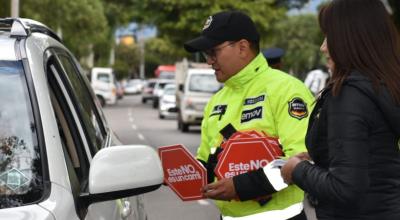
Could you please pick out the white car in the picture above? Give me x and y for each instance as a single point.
(167, 103)
(159, 89)
(59, 160)
(104, 85)
(133, 86)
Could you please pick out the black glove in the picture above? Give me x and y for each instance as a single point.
(211, 164)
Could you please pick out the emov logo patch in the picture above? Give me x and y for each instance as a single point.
(251, 114)
(297, 108)
(252, 101)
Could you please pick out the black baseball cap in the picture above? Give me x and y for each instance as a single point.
(221, 27)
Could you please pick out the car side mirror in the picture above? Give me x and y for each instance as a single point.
(122, 171)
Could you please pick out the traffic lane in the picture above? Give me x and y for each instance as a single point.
(128, 114)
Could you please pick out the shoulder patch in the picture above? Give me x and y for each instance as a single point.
(252, 101)
(298, 108)
(251, 114)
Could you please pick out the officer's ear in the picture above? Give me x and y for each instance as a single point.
(244, 48)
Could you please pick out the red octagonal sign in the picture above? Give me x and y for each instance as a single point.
(182, 172)
(241, 155)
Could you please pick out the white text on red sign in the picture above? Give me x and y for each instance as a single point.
(239, 168)
(183, 173)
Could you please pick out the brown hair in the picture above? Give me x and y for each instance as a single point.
(361, 36)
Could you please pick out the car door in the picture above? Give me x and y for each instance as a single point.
(83, 130)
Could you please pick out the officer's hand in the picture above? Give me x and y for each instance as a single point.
(287, 169)
(221, 190)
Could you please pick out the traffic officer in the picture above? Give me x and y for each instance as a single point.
(274, 57)
(254, 97)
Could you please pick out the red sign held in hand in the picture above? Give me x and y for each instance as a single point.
(182, 172)
(244, 152)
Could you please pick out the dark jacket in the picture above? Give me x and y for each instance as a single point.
(353, 139)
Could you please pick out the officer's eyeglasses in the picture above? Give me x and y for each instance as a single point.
(212, 53)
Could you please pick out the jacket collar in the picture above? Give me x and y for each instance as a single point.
(254, 68)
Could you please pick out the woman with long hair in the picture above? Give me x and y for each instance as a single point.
(352, 169)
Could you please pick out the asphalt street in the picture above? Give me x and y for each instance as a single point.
(137, 123)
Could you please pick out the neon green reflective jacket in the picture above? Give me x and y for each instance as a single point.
(263, 99)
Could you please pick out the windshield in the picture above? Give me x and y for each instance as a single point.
(169, 91)
(104, 77)
(20, 167)
(204, 83)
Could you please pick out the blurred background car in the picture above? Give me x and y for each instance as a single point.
(59, 158)
(196, 84)
(159, 89)
(165, 72)
(104, 85)
(133, 86)
(120, 90)
(147, 92)
(167, 103)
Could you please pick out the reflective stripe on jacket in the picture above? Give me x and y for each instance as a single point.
(282, 214)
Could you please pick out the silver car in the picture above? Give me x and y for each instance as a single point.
(167, 103)
(59, 160)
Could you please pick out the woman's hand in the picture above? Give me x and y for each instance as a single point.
(287, 169)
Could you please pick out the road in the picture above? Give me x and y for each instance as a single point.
(137, 123)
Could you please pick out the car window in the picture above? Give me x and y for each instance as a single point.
(104, 77)
(203, 83)
(21, 179)
(169, 91)
(151, 84)
(85, 105)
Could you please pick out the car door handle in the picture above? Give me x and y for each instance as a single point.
(126, 209)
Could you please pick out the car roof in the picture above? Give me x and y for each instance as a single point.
(23, 27)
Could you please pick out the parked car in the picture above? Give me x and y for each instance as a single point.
(133, 86)
(147, 92)
(167, 105)
(159, 89)
(103, 83)
(120, 90)
(59, 159)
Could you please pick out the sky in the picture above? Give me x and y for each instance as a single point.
(310, 7)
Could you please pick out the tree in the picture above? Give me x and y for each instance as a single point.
(5, 9)
(177, 21)
(81, 22)
(126, 61)
(301, 38)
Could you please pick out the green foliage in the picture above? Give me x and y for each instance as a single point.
(301, 38)
(81, 22)
(126, 61)
(178, 21)
(5, 9)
